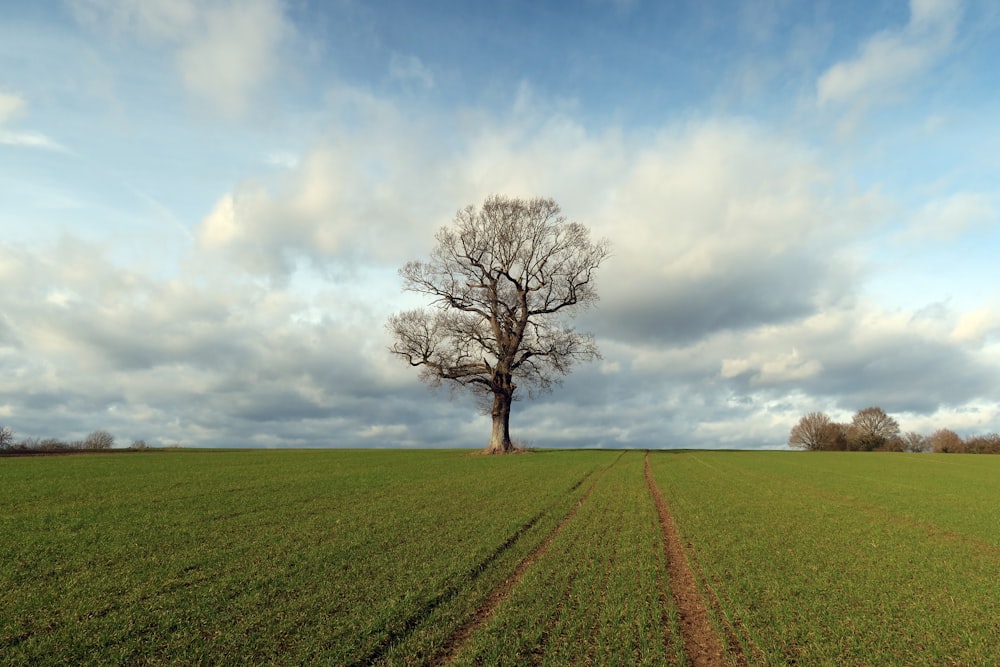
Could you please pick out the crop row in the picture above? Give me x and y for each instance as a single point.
(235, 557)
(843, 558)
(558, 558)
(597, 595)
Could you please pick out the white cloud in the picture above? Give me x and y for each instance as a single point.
(284, 159)
(12, 105)
(307, 215)
(930, 13)
(952, 216)
(732, 296)
(782, 368)
(719, 224)
(234, 53)
(30, 140)
(976, 326)
(891, 59)
(206, 359)
(410, 68)
(220, 227)
(734, 266)
(372, 192)
(975, 418)
(224, 51)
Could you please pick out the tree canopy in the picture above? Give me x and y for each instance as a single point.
(502, 280)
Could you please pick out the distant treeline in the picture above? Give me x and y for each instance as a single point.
(97, 440)
(872, 429)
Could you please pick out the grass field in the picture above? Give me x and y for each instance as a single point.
(842, 558)
(559, 557)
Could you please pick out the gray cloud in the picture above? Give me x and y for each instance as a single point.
(737, 298)
(733, 302)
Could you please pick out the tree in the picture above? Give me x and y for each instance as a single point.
(983, 444)
(916, 442)
(841, 430)
(99, 440)
(815, 431)
(6, 437)
(871, 428)
(501, 279)
(944, 441)
(894, 444)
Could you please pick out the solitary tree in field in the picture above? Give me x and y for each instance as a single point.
(501, 281)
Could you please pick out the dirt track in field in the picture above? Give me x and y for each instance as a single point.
(701, 643)
(458, 640)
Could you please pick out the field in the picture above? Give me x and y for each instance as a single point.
(557, 558)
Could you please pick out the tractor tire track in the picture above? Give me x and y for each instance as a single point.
(733, 630)
(701, 643)
(454, 644)
(663, 591)
(410, 625)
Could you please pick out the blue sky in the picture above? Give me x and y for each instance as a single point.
(203, 206)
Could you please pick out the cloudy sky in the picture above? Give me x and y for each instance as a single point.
(204, 205)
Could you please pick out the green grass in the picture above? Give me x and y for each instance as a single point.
(594, 596)
(832, 558)
(235, 557)
(379, 557)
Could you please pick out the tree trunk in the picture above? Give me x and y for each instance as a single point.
(500, 440)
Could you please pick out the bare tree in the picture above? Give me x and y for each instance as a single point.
(894, 444)
(839, 433)
(983, 444)
(501, 279)
(916, 442)
(945, 441)
(815, 431)
(871, 428)
(6, 437)
(99, 440)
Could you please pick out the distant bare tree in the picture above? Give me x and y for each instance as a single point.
(945, 441)
(871, 428)
(916, 442)
(815, 431)
(894, 444)
(840, 431)
(27, 444)
(53, 444)
(6, 437)
(99, 440)
(501, 279)
(983, 444)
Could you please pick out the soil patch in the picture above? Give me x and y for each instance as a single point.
(701, 643)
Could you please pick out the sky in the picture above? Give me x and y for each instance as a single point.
(204, 205)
